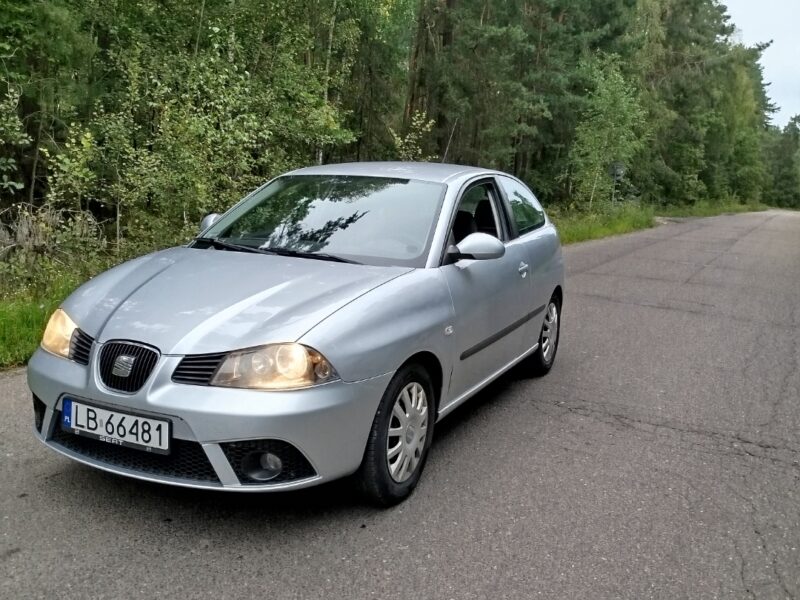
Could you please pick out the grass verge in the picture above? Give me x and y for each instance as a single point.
(580, 227)
(21, 325)
(22, 319)
(590, 226)
(704, 209)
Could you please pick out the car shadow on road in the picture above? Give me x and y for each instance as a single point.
(479, 406)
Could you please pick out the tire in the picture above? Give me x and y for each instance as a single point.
(541, 361)
(381, 478)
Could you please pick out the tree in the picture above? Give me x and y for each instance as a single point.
(612, 130)
(783, 151)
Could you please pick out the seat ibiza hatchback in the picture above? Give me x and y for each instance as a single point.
(319, 328)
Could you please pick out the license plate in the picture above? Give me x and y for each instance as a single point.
(114, 427)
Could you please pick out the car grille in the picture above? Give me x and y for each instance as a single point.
(80, 346)
(39, 409)
(295, 465)
(144, 360)
(186, 460)
(198, 369)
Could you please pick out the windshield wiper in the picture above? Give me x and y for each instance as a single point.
(314, 255)
(222, 245)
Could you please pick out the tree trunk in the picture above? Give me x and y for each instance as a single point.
(449, 140)
(414, 64)
(328, 52)
(594, 187)
(119, 216)
(442, 122)
(35, 164)
(232, 35)
(199, 27)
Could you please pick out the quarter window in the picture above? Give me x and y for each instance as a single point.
(527, 212)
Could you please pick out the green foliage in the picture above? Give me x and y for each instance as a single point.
(151, 113)
(612, 130)
(12, 138)
(39, 245)
(410, 146)
(783, 157)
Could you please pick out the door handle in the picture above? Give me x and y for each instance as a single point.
(523, 269)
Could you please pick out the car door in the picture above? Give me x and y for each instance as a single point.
(539, 240)
(490, 297)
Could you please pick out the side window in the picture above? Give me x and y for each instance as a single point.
(476, 213)
(527, 211)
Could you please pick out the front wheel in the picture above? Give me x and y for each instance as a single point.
(542, 360)
(400, 437)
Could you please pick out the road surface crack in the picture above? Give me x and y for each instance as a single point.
(779, 452)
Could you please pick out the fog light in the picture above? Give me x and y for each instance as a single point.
(262, 466)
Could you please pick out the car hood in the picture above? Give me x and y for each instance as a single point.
(187, 301)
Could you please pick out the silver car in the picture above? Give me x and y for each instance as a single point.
(318, 329)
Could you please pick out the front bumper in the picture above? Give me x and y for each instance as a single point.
(327, 425)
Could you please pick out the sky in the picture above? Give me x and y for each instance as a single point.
(778, 20)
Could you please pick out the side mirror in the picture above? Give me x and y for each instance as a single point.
(208, 221)
(478, 246)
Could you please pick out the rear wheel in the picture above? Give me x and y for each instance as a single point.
(400, 437)
(542, 360)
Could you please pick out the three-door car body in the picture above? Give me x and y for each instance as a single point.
(256, 357)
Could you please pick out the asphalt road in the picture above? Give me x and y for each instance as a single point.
(659, 459)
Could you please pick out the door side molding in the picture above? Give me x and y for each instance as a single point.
(482, 345)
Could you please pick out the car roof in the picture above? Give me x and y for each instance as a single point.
(422, 171)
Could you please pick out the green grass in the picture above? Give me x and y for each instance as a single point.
(580, 227)
(23, 317)
(21, 325)
(704, 209)
(584, 226)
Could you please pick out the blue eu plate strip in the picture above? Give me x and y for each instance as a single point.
(66, 412)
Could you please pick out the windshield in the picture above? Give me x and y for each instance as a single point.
(372, 220)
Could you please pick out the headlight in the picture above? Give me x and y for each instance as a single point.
(58, 333)
(274, 367)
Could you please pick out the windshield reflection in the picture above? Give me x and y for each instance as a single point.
(380, 220)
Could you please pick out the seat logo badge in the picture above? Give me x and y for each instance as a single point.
(448, 330)
(123, 365)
